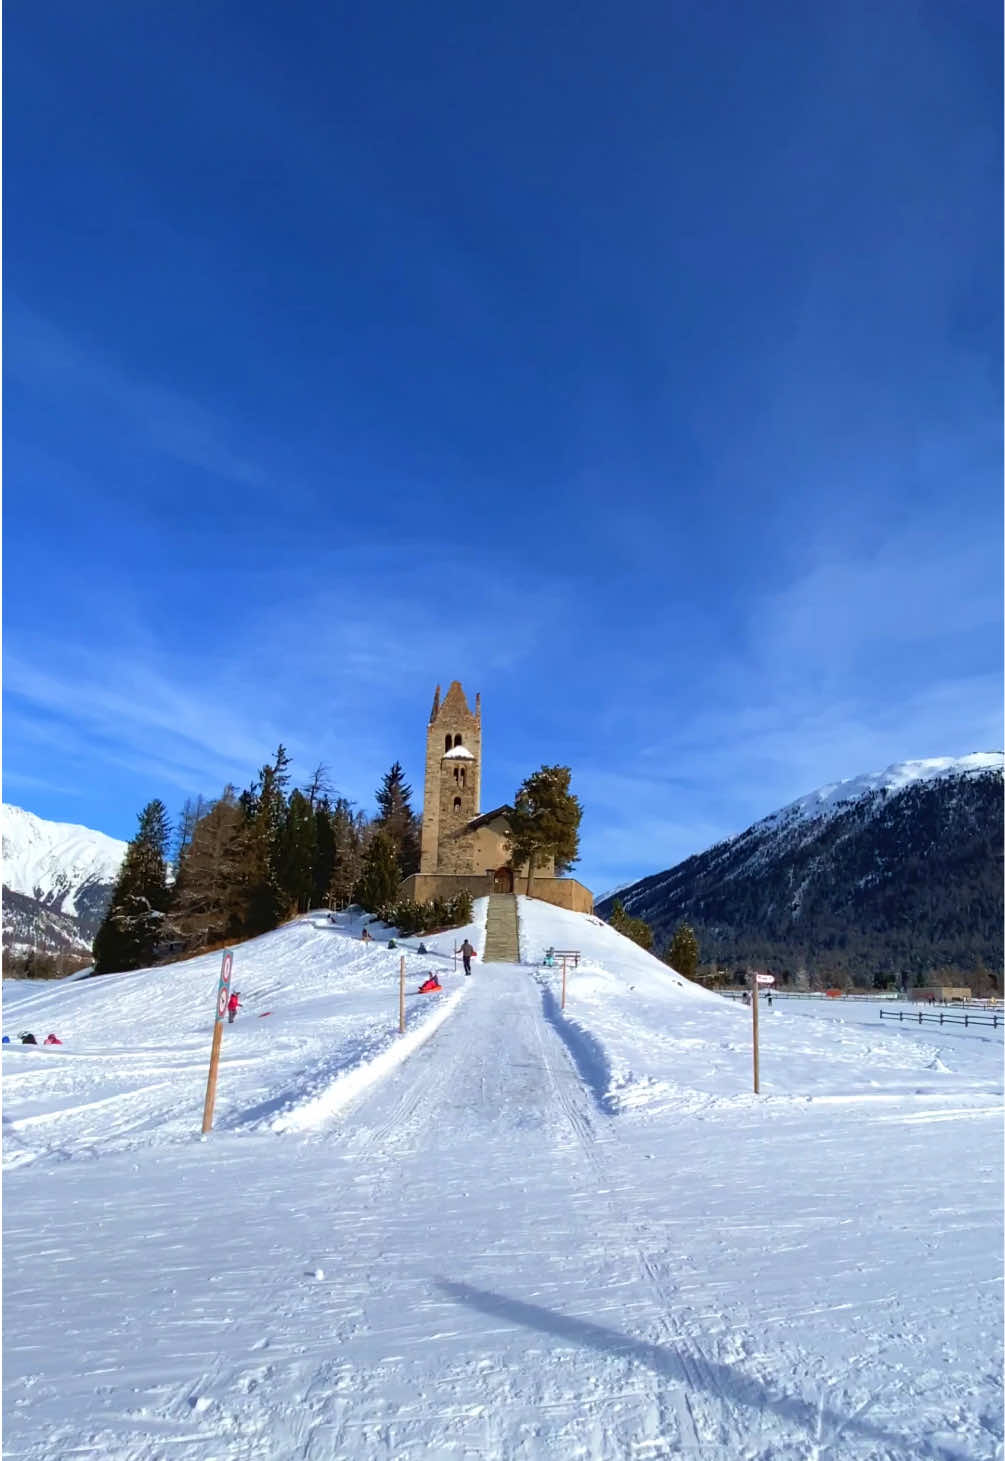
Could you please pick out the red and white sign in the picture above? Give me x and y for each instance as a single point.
(223, 992)
(765, 978)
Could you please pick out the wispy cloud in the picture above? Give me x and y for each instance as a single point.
(42, 356)
(343, 673)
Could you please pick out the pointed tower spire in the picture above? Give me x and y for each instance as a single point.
(436, 706)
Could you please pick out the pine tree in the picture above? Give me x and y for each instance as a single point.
(634, 928)
(295, 853)
(324, 854)
(134, 923)
(682, 952)
(264, 805)
(544, 821)
(398, 820)
(378, 883)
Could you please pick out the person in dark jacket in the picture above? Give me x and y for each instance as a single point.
(467, 951)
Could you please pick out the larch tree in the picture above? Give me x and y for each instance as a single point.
(347, 834)
(209, 901)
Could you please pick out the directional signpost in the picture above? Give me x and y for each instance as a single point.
(759, 979)
(222, 995)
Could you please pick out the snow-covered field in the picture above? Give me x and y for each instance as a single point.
(539, 1234)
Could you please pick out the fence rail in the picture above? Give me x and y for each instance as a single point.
(986, 1006)
(929, 1017)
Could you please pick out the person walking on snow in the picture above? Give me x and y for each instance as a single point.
(233, 1005)
(467, 953)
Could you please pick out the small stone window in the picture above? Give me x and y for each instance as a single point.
(458, 740)
(457, 773)
(464, 776)
(457, 803)
(447, 744)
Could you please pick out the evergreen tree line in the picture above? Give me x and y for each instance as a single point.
(246, 862)
(681, 953)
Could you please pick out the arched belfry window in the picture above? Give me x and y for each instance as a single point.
(458, 740)
(464, 776)
(457, 803)
(447, 744)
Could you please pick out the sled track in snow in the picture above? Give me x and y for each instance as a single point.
(692, 1414)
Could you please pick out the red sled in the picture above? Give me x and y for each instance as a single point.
(431, 985)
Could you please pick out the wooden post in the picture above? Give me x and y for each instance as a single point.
(401, 996)
(563, 982)
(757, 1074)
(214, 1066)
(222, 993)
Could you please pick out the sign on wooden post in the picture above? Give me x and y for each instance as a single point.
(222, 995)
(401, 996)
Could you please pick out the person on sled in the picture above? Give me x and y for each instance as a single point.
(233, 1005)
(467, 954)
(430, 985)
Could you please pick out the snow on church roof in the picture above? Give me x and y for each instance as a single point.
(459, 753)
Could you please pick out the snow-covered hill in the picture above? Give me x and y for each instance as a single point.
(63, 876)
(895, 871)
(514, 1231)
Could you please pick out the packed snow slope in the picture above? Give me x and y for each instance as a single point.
(894, 872)
(532, 1233)
(64, 876)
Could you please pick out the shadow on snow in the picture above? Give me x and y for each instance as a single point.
(721, 1381)
(588, 1055)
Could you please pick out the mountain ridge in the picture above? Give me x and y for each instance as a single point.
(888, 873)
(58, 879)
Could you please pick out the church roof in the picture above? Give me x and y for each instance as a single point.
(487, 817)
(459, 753)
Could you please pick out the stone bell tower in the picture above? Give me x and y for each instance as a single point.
(453, 780)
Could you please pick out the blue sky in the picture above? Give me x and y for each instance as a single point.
(637, 365)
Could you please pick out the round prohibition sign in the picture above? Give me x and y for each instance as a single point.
(221, 1002)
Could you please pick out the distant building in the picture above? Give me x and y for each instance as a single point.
(463, 847)
(939, 993)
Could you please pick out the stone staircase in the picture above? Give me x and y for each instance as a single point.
(502, 938)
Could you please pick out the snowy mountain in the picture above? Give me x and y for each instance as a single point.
(57, 880)
(892, 872)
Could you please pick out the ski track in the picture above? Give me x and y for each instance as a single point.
(498, 1281)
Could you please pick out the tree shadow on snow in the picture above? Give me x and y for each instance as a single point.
(822, 1427)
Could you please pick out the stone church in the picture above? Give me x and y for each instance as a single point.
(462, 846)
